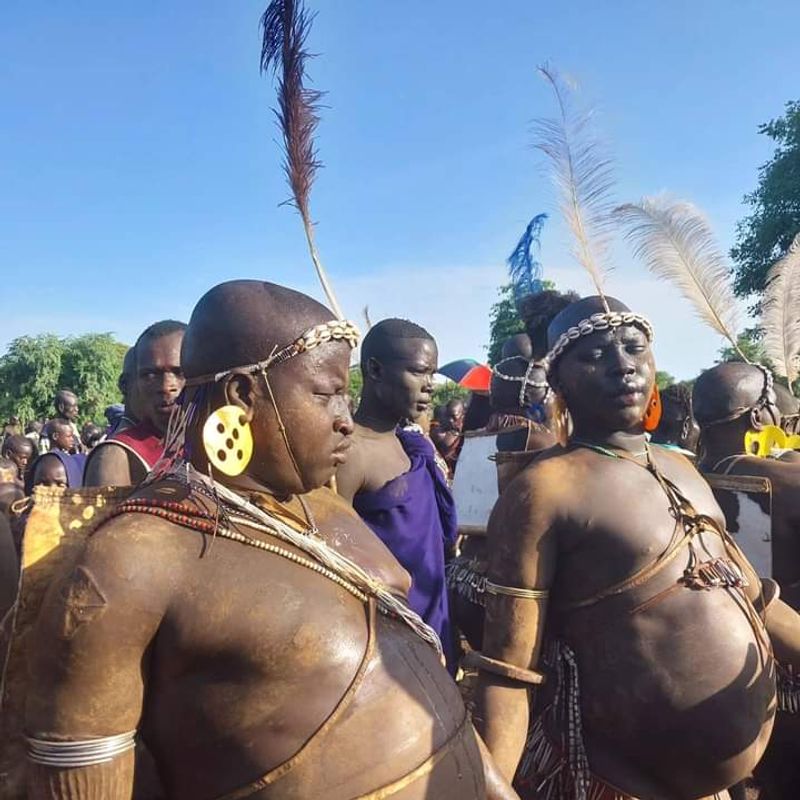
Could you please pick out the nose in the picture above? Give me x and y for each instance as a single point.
(343, 421)
(622, 362)
(170, 383)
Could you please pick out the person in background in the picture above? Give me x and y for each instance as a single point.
(20, 450)
(128, 454)
(67, 409)
(391, 476)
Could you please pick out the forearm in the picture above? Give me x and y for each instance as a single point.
(783, 626)
(112, 780)
(501, 718)
(497, 786)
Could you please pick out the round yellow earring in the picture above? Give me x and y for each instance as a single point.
(228, 440)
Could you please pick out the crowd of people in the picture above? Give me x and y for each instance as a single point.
(272, 609)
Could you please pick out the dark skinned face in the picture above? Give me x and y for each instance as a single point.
(311, 395)
(68, 406)
(607, 379)
(62, 438)
(50, 472)
(453, 417)
(404, 381)
(21, 455)
(159, 378)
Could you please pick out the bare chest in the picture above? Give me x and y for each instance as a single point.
(384, 460)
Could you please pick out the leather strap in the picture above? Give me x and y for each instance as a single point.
(481, 662)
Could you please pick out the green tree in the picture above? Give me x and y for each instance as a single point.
(749, 342)
(504, 320)
(356, 385)
(29, 376)
(447, 391)
(34, 368)
(91, 366)
(767, 232)
(663, 379)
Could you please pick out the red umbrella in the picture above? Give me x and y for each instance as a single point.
(477, 379)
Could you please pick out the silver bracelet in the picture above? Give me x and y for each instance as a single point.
(83, 753)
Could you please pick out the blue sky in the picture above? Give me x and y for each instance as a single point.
(139, 164)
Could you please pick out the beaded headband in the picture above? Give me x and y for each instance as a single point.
(524, 380)
(334, 330)
(602, 321)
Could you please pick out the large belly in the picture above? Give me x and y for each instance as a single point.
(680, 690)
(401, 723)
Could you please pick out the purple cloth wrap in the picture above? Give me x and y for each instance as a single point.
(414, 516)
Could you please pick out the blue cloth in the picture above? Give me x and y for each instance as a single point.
(74, 464)
(414, 516)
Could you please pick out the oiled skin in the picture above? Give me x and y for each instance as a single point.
(216, 645)
(676, 701)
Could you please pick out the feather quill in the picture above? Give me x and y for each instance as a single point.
(583, 177)
(285, 25)
(523, 268)
(780, 314)
(675, 241)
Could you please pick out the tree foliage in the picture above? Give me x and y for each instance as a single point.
(664, 379)
(765, 235)
(504, 320)
(447, 391)
(34, 368)
(749, 342)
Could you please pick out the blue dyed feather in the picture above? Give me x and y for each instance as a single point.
(523, 268)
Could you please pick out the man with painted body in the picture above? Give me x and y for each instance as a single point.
(730, 400)
(391, 476)
(228, 622)
(129, 453)
(657, 679)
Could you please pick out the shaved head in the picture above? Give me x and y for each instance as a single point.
(726, 389)
(241, 322)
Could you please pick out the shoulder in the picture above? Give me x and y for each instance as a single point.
(108, 464)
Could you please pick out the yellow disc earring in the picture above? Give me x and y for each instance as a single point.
(228, 440)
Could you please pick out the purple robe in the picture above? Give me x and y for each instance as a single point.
(414, 516)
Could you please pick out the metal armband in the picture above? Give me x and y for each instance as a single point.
(516, 591)
(80, 753)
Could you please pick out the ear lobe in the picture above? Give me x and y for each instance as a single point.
(374, 369)
(239, 390)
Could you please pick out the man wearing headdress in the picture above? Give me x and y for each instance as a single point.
(132, 450)
(236, 616)
(730, 400)
(392, 477)
(616, 595)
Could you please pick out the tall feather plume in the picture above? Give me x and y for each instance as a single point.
(523, 268)
(286, 25)
(582, 174)
(780, 314)
(675, 241)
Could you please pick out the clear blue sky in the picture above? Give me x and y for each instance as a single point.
(138, 163)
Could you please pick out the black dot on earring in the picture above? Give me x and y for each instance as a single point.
(242, 419)
(235, 433)
(220, 427)
(239, 455)
(229, 444)
(221, 455)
